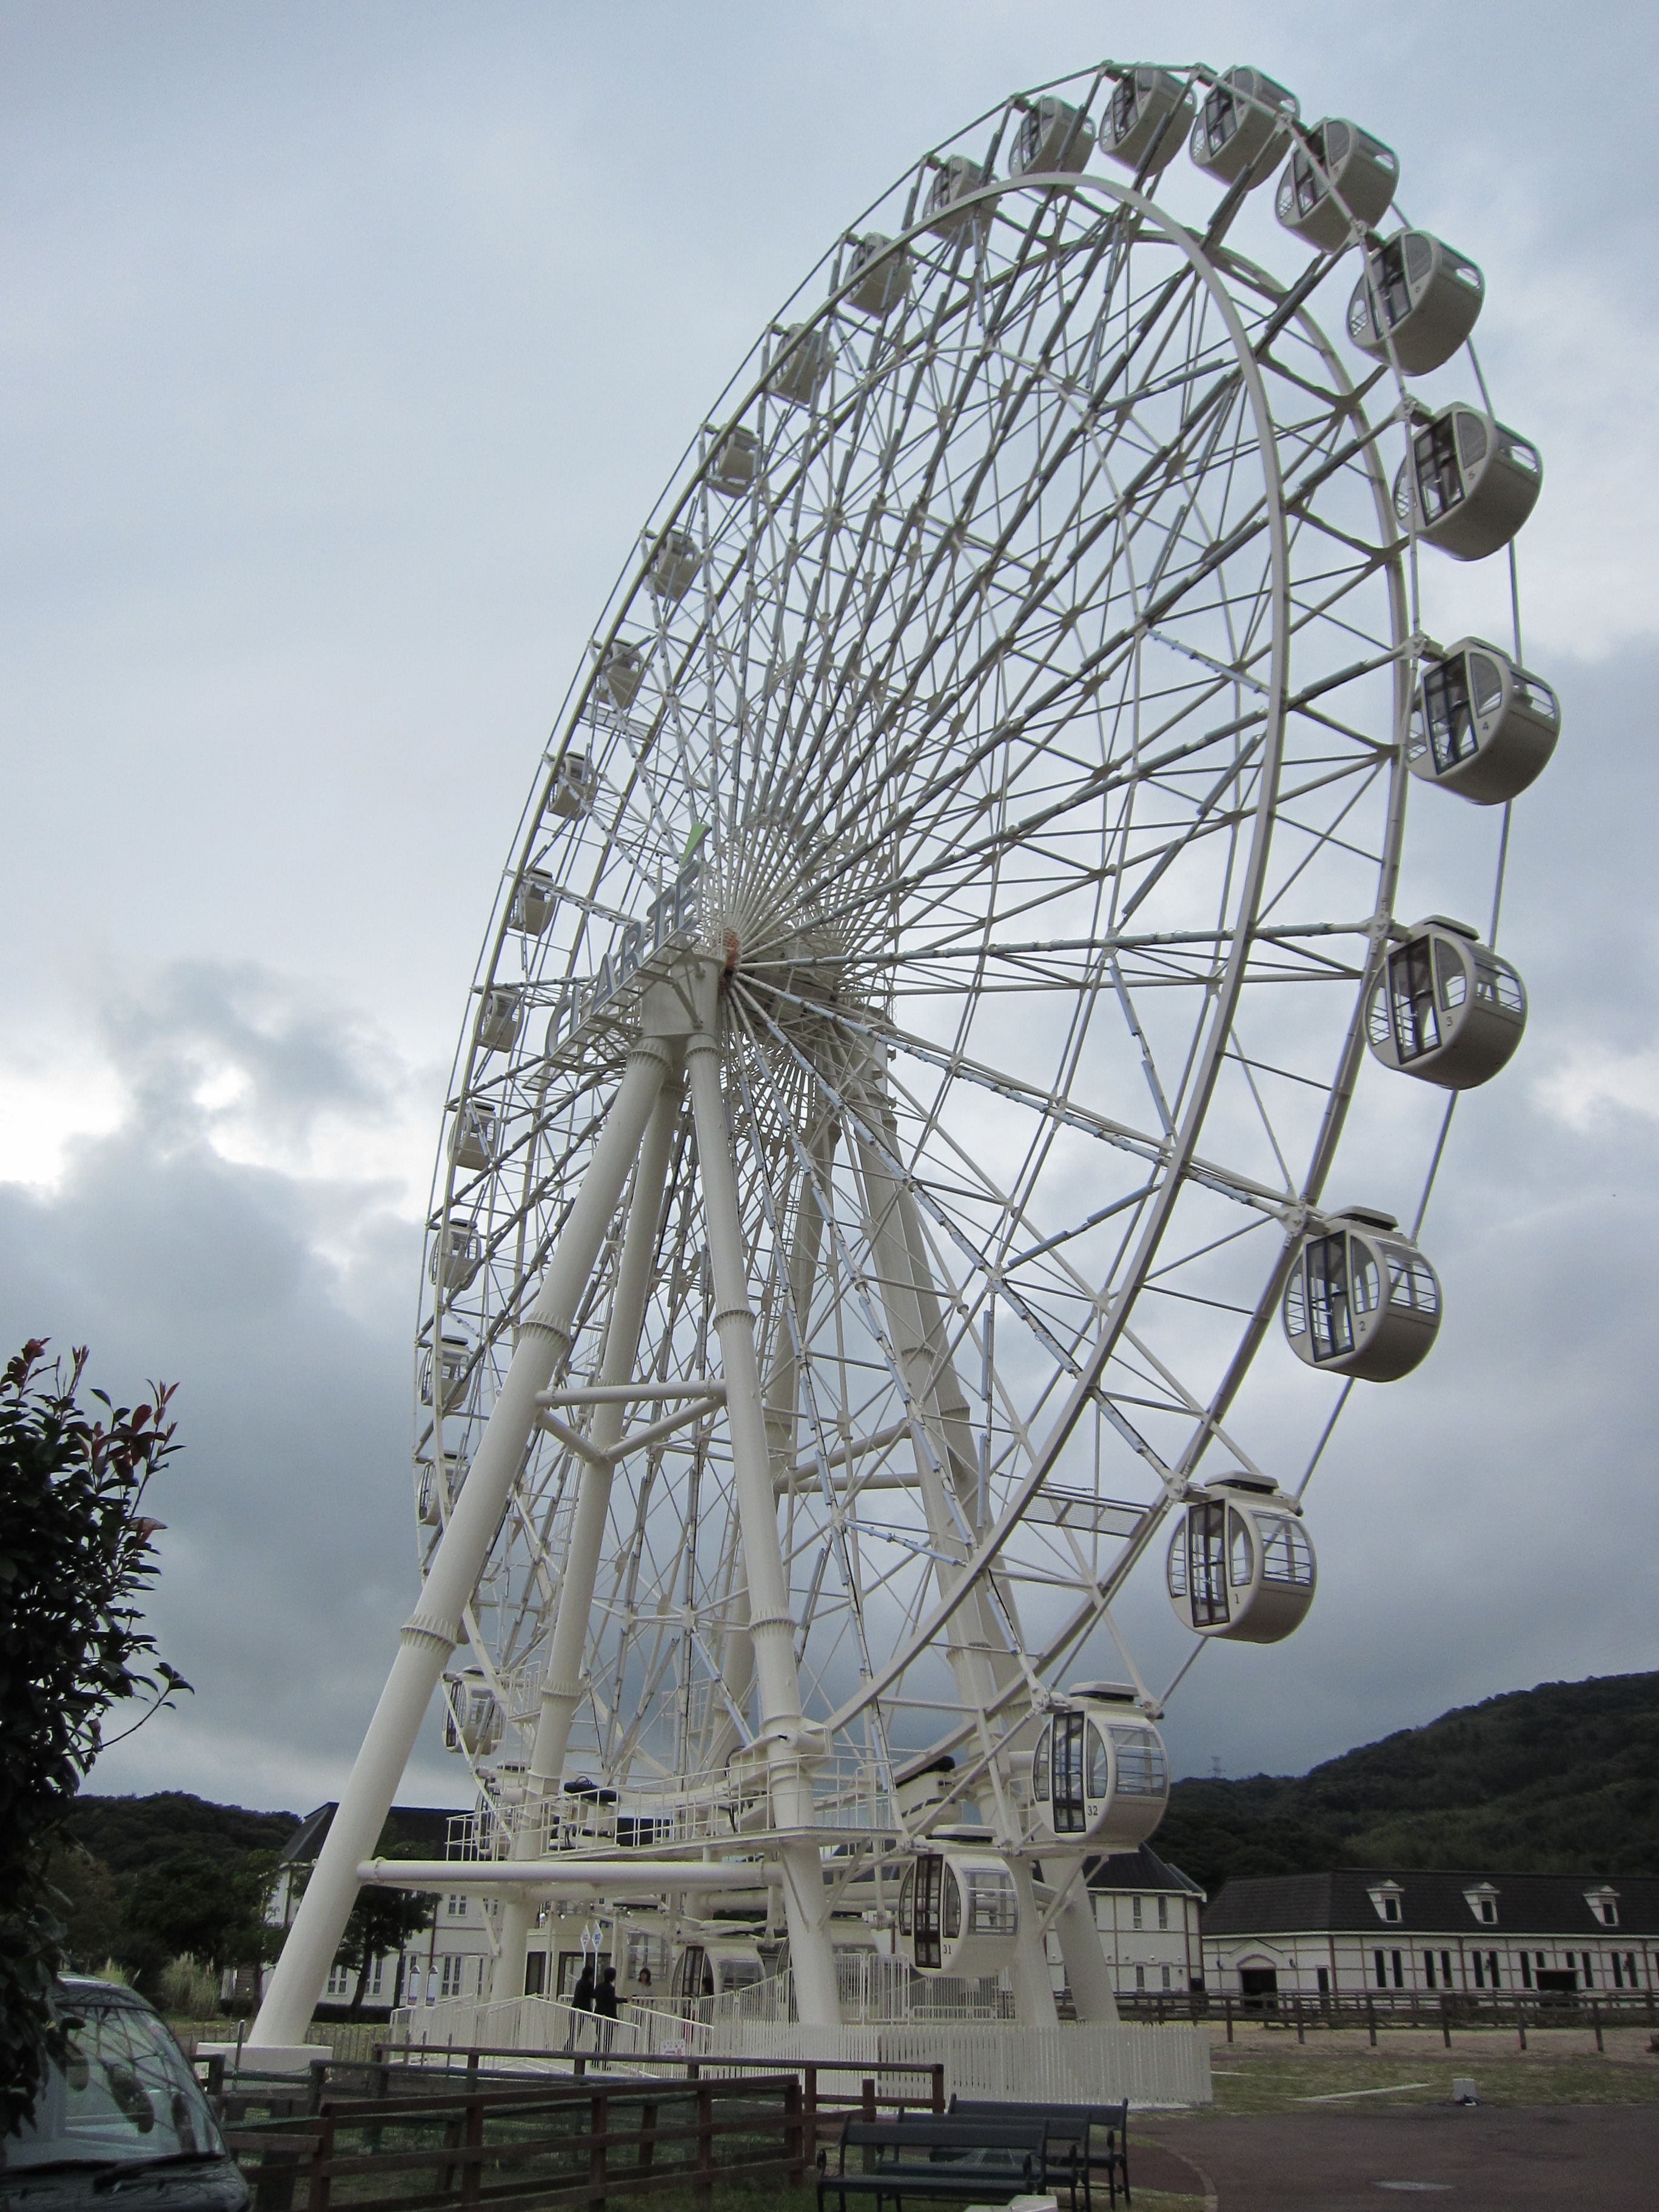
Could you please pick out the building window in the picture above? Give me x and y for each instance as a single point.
(1630, 1969)
(376, 1977)
(1399, 1971)
(1386, 1897)
(339, 1982)
(1428, 1966)
(1489, 1910)
(1604, 1904)
(1163, 1912)
(1492, 1968)
(1166, 1977)
(457, 1906)
(1479, 1974)
(1135, 1910)
(1382, 1971)
(451, 1984)
(1140, 1973)
(1445, 1969)
(1526, 1971)
(1589, 1976)
(1324, 1981)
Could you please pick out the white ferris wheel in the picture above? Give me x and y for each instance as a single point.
(917, 1022)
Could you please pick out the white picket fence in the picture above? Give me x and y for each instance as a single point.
(1084, 2063)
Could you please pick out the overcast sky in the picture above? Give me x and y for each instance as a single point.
(345, 348)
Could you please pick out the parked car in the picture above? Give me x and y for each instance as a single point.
(122, 2120)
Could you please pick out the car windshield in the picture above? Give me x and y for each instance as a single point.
(125, 2092)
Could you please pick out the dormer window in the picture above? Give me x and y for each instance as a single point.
(1482, 1901)
(1388, 1898)
(1604, 1904)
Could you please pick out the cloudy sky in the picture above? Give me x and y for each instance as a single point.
(345, 348)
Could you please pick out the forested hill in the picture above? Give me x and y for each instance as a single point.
(127, 1834)
(1562, 1779)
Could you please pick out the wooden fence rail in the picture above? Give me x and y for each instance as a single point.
(549, 2143)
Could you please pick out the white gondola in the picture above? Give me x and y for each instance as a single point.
(456, 1256)
(1240, 1566)
(1468, 482)
(454, 1354)
(1147, 119)
(877, 273)
(1099, 1773)
(1338, 175)
(1417, 297)
(949, 207)
(712, 1966)
(441, 1485)
(1243, 124)
(472, 1137)
(1446, 1009)
(674, 565)
(805, 357)
(532, 900)
(472, 1719)
(501, 1017)
(959, 1912)
(736, 466)
(1053, 139)
(620, 672)
(1362, 1300)
(1482, 726)
(575, 786)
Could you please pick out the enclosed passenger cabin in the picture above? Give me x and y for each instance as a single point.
(712, 1966)
(959, 1912)
(472, 1719)
(674, 565)
(454, 1354)
(878, 275)
(441, 1484)
(501, 1017)
(472, 1136)
(1240, 1565)
(620, 672)
(736, 465)
(949, 207)
(1099, 1773)
(1362, 1300)
(1053, 139)
(1417, 297)
(1147, 119)
(1468, 482)
(1482, 726)
(1242, 125)
(1338, 175)
(1446, 1009)
(457, 1253)
(532, 902)
(805, 358)
(575, 787)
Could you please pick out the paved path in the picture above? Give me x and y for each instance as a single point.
(1564, 2158)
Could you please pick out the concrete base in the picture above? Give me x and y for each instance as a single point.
(267, 2057)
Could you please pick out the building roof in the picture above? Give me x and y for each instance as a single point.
(1429, 1904)
(426, 1826)
(1138, 1870)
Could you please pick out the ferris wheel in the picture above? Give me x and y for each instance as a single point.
(919, 1015)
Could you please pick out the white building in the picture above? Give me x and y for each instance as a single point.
(1148, 1915)
(1398, 1933)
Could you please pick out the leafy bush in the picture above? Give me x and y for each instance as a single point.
(186, 1990)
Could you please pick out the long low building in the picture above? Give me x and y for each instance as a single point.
(1384, 1932)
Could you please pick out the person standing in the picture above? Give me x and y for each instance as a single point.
(581, 2001)
(605, 2006)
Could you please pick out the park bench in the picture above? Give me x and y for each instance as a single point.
(936, 2156)
(1082, 2141)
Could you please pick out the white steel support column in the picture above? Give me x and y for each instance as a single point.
(434, 1629)
(771, 1627)
(561, 1686)
(1087, 1971)
(1034, 1992)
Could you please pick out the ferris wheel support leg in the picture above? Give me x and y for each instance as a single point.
(1034, 1992)
(1087, 1971)
(771, 1626)
(430, 1635)
(561, 1690)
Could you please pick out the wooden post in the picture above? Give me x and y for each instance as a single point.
(1227, 2003)
(939, 2087)
(472, 2171)
(322, 2154)
(318, 2070)
(1521, 2023)
(812, 2072)
(647, 2137)
(1595, 2021)
(1445, 2021)
(791, 2142)
(599, 2115)
(472, 2073)
(705, 2148)
(1296, 2007)
(867, 2095)
(1370, 2016)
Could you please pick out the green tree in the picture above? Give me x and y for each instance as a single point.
(382, 1921)
(211, 1908)
(75, 1556)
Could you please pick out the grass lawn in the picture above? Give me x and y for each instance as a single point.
(1310, 2081)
